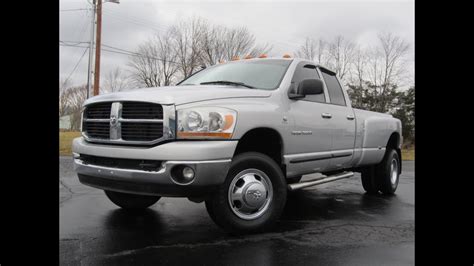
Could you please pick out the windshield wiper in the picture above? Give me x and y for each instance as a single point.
(226, 82)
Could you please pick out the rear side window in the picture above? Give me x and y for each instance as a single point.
(306, 71)
(334, 88)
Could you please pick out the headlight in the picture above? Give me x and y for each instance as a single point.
(206, 122)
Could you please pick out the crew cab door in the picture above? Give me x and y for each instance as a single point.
(342, 122)
(309, 148)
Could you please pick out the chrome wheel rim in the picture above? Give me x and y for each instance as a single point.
(250, 194)
(394, 171)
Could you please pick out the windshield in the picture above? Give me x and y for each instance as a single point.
(259, 74)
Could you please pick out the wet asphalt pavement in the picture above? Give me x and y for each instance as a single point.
(330, 224)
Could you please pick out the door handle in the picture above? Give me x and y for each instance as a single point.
(350, 117)
(326, 115)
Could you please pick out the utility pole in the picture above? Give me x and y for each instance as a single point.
(91, 50)
(98, 48)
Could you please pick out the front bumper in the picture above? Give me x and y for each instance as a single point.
(209, 159)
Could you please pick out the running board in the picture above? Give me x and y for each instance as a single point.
(319, 181)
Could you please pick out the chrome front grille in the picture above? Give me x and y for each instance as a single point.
(139, 110)
(141, 131)
(127, 122)
(97, 130)
(98, 111)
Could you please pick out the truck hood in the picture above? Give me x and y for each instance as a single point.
(181, 94)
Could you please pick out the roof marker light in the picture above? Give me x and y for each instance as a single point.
(235, 58)
(263, 56)
(286, 56)
(248, 57)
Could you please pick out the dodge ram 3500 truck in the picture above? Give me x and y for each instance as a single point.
(238, 136)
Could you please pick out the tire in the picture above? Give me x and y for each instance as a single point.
(258, 189)
(369, 180)
(382, 177)
(388, 172)
(131, 201)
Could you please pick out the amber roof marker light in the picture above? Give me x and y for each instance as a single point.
(286, 56)
(235, 58)
(263, 56)
(248, 57)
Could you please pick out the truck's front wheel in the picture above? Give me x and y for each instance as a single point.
(131, 201)
(252, 197)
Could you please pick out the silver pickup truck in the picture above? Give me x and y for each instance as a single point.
(238, 136)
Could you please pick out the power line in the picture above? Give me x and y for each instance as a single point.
(77, 9)
(135, 21)
(72, 42)
(78, 33)
(123, 51)
(77, 64)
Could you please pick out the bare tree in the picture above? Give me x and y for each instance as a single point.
(156, 64)
(63, 97)
(308, 50)
(145, 67)
(116, 80)
(359, 65)
(386, 69)
(223, 44)
(185, 47)
(186, 39)
(394, 49)
(168, 62)
(212, 44)
(77, 96)
(239, 42)
(341, 54)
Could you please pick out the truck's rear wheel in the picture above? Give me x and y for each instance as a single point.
(388, 172)
(383, 176)
(252, 197)
(131, 201)
(369, 180)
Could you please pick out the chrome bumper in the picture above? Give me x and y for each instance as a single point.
(209, 173)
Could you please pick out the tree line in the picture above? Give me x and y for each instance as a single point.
(372, 74)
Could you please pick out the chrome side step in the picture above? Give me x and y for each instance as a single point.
(319, 181)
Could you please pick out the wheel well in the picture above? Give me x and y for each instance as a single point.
(265, 140)
(394, 143)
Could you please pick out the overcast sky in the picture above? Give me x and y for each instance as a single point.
(283, 24)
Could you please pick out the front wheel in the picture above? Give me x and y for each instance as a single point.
(252, 197)
(131, 201)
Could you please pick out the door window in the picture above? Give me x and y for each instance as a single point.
(306, 71)
(336, 95)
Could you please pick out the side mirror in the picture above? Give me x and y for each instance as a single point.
(308, 87)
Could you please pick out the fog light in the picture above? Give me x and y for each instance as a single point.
(182, 174)
(188, 173)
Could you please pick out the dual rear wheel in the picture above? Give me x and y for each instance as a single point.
(384, 176)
